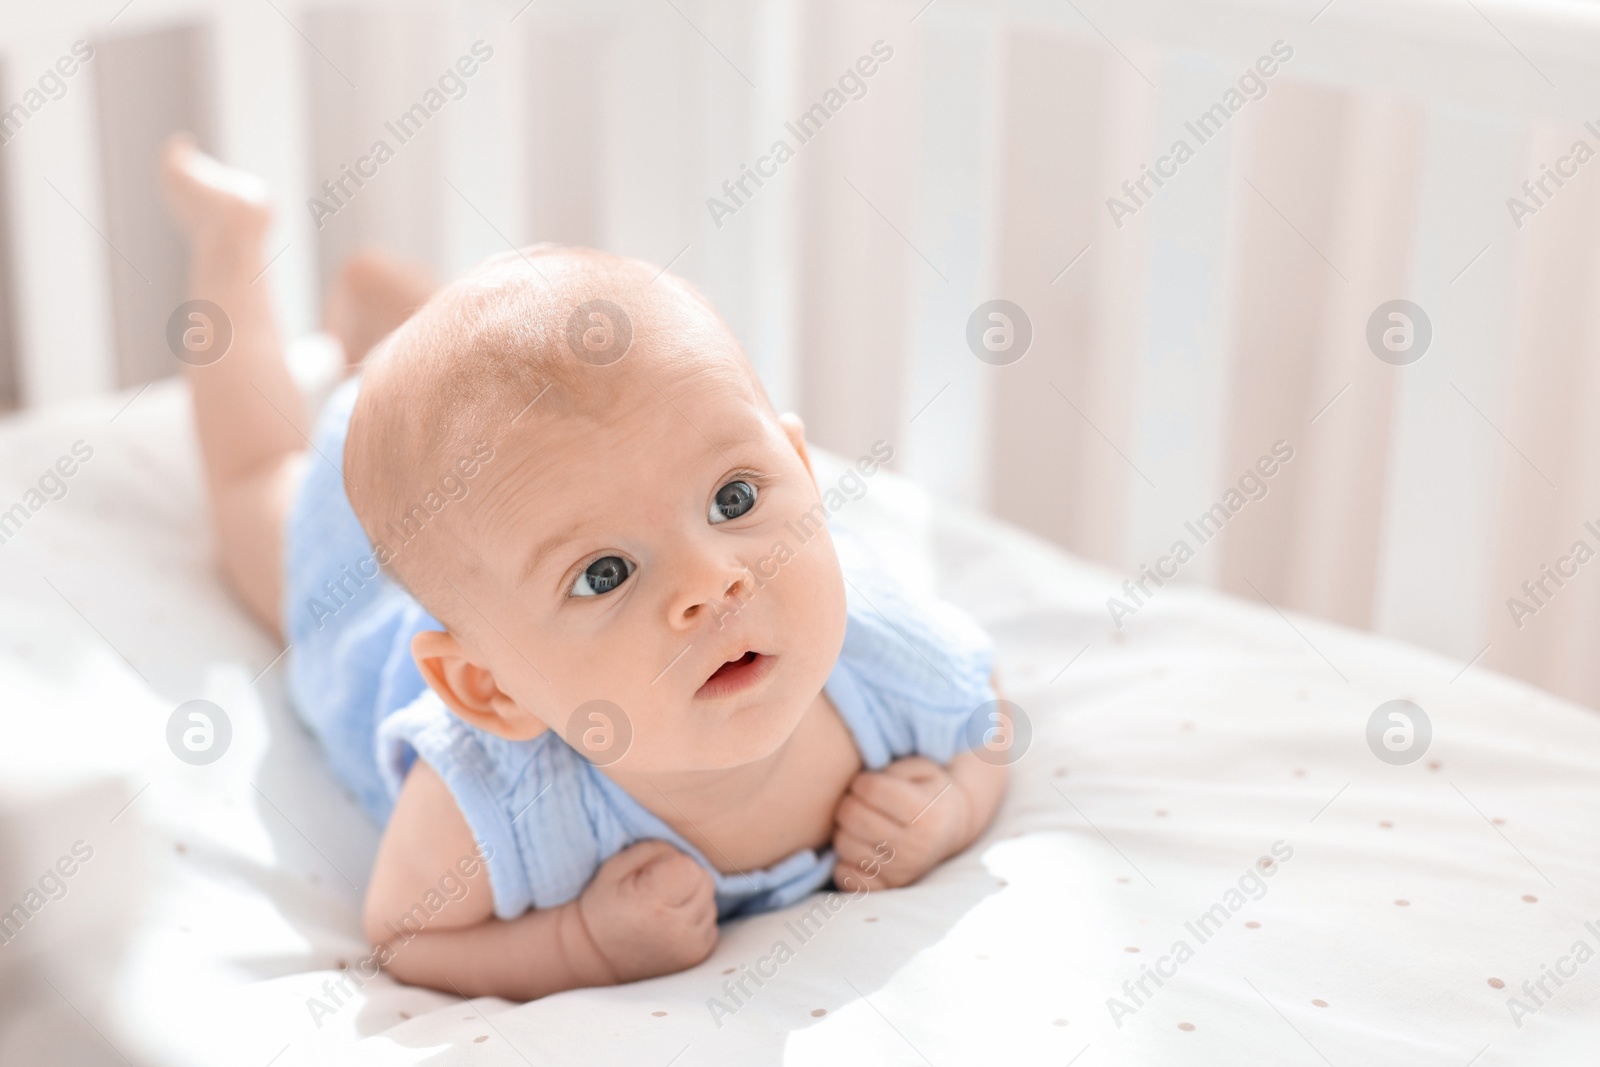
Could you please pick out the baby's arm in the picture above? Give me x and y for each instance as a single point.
(649, 910)
(923, 813)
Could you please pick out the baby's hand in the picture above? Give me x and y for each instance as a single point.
(895, 825)
(650, 910)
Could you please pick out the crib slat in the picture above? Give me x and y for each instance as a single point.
(1076, 122)
(949, 398)
(1339, 525)
(370, 70)
(745, 266)
(1285, 215)
(562, 83)
(857, 201)
(1551, 457)
(1434, 583)
(148, 84)
(10, 356)
(1185, 368)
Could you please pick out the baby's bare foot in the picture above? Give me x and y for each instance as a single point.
(217, 206)
(373, 294)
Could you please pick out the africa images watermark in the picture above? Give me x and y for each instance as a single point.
(451, 887)
(1537, 192)
(1252, 85)
(1252, 486)
(52, 86)
(1580, 953)
(1552, 578)
(1203, 928)
(1399, 732)
(737, 992)
(408, 124)
(342, 589)
(52, 485)
(852, 85)
(52, 886)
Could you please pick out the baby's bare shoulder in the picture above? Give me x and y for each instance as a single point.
(427, 857)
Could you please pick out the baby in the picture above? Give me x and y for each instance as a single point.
(566, 614)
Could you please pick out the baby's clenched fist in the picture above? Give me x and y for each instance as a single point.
(650, 910)
(897, 824)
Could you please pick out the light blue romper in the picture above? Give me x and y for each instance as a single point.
(908, 681)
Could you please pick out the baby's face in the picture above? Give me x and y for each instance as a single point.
(666, 555)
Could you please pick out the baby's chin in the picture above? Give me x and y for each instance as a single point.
(725, 740)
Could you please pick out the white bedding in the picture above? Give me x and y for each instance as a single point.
(1162, 766)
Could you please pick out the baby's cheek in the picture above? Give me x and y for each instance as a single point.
(814, 602)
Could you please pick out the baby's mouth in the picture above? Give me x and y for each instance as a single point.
(735, 675)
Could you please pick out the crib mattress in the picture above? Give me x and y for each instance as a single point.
(1212, 851)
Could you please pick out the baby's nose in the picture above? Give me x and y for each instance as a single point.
(717, 591)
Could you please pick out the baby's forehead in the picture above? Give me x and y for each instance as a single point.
(568, 337)
(665, 405)
(659, 447)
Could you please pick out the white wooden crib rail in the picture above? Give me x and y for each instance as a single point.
(1196, 317)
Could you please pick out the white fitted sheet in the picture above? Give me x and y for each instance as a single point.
(1163, 764)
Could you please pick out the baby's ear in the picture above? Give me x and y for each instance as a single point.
(469, 689)
(795, 431)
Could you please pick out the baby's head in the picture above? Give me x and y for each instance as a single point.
(568, 460)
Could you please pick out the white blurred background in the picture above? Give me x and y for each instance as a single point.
(1227, 312)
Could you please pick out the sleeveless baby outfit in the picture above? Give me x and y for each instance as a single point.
(910, 680)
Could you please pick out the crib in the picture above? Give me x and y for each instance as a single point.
(1230, 476)
(1175, 337)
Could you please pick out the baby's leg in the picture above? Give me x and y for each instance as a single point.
(249, 414)
(373, 294)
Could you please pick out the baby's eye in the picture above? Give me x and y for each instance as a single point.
(731, 501)
(601, 576)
